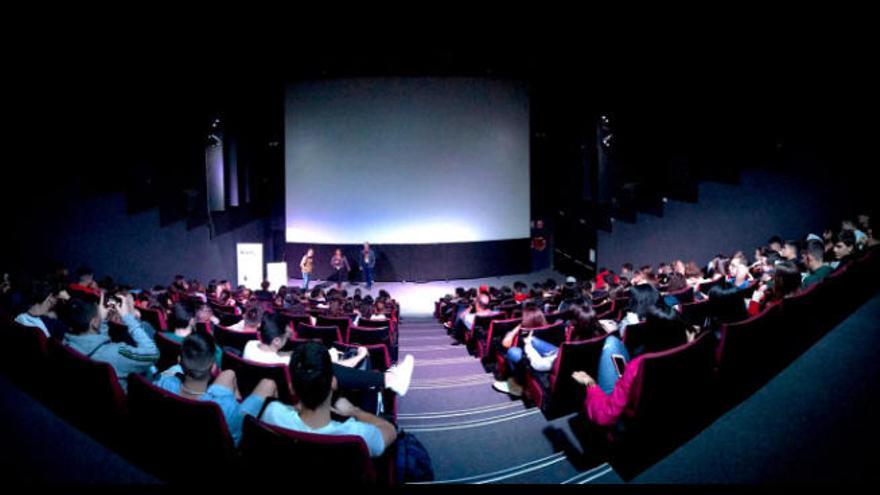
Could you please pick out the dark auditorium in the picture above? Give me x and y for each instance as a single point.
(406, 266)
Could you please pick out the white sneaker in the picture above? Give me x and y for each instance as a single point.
(504, 387)
(398, 377)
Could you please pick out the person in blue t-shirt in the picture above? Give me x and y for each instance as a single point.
(313, 380)
(192, 379)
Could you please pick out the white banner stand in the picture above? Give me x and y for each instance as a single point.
(276, 274)
(250, 264)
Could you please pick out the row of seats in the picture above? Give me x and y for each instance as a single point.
(680, 390)
(173, 437)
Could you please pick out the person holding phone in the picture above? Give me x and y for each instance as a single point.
(89, 335)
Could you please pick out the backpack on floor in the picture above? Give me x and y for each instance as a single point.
(413, 461)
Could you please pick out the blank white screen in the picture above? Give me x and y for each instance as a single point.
(406, 161)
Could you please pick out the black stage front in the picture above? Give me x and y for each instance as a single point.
(421, 262)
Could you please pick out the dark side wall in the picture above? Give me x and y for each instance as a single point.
(132, 249)
(730, 217)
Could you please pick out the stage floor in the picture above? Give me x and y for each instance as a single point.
(417, 299)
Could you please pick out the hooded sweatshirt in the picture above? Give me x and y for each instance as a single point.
(124, 358)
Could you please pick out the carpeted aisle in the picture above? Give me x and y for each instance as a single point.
(475, 434)
(815, 421)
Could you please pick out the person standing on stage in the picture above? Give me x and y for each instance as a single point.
(368, 261)
(306, 266)
(340, 268)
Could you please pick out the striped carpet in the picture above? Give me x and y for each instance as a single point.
(475, 434)
(785, 432)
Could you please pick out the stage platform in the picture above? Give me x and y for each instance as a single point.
(417, 299)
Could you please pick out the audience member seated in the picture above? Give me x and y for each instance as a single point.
(520, 291)
(204, 314)
(786, 281)
(790, 252)
(318, 296)
(676, 282)
(466, 318)
(726, 305)
(251, 321)
(532, 317)
(585, 326)
(314, 381)
(542, 355)
(602, 280)
(264, 294)
(88, 335)
(663, 271)
(849, 225)
(363, 312)
(641, 297)
(830, 238)
(86, 284)
(197, 291)
(191, 379)
(379, 312)
(181, 324)
(844, 249)
(775, 244)
(719, 267)
(865, 226)
(273, 338)
(693, 275)
(814, 260)
(41, 310)
(626, 272)
(607, 399)
(336, 308)
(739, 273)
(667, 330)
(243, 295)
(570, 295)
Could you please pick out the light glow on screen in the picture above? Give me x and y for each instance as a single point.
(406, 161)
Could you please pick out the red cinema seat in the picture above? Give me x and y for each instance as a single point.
(177, 437)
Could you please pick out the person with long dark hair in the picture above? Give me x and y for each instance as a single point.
(532, 317)
(725, 305)
(641, 297)
(786, 281)
(608, 394)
